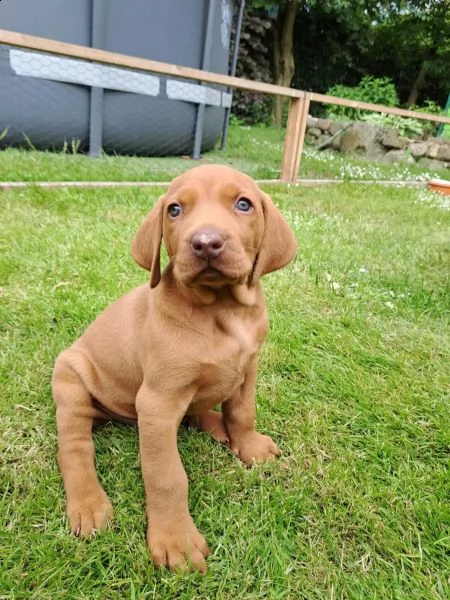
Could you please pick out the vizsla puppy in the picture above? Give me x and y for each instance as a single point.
(178, 347)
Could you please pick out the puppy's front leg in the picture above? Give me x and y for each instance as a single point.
(172, 538)
(88, 507)
(239, 413)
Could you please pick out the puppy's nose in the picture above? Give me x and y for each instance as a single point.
(207, 243)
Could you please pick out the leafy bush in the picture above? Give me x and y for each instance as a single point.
(253, 63)
(252, 108)
(382, 91)
(409, 127)
(430, 128)
(370, 89)
(412, 128)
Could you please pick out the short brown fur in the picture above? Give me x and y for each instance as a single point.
(185, 344)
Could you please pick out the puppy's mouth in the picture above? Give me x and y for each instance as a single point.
(213, 277)
(216, 272)
(210, 273)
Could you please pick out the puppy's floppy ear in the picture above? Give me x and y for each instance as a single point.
(146, 245)
(278, 246)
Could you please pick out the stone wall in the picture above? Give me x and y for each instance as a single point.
(378, 143)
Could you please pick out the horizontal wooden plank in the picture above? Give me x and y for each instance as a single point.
(12, 185)
(32, 42)
(12, 38)
(402, 112)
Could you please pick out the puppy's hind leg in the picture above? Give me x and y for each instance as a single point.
(88, 507)
(210, 422)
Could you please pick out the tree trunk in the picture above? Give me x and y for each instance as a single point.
(277, 100)
(283, 54)
(417, 85)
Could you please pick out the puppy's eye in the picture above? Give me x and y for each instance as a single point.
(174, 210)
(243, 205)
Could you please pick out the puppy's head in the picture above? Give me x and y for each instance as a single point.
(219, 229)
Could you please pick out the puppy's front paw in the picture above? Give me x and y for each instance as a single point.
(178, 546)
(89, 513)
(254, 447)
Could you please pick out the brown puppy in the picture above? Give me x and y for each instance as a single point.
(179, 347)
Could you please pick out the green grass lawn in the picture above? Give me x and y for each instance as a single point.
(257, 151)
(353, 386)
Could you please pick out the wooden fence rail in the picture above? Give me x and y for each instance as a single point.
(299, 99)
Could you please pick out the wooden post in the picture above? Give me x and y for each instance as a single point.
(295, 135)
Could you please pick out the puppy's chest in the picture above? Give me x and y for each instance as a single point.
(233, 345)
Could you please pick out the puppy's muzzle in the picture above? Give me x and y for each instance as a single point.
(208, 244)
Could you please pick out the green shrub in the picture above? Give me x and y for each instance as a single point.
(409, 127)
(370, 89)
(412, 128)
(382, 91)
(253, 63)
(430, 128)
(252, 108)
